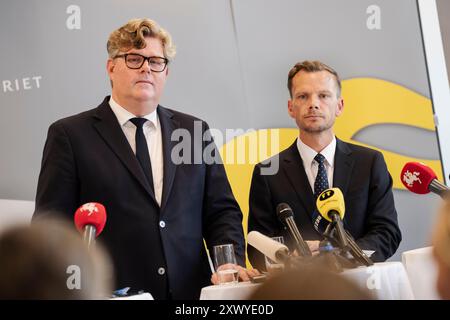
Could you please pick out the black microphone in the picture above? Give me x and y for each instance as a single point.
(286, 216)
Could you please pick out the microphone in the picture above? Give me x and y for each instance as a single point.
(286, 216)
(274, 250)
(420, 178)
(331, 206)
(90, 219)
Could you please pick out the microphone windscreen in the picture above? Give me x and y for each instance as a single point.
(331, 200)
(266, 245)
(416, 177)
(284, 211)
(91, 213)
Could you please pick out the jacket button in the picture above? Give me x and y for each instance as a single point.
(161, 271)
(162, 224)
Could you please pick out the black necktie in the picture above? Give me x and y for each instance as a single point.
(320, 185)
(142, 153)
(321, 182)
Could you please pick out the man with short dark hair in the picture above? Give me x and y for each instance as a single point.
(316, 161)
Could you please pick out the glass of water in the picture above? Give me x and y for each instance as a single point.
(273, 267)
(225, 264)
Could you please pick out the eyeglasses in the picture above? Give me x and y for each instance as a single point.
(136, 61)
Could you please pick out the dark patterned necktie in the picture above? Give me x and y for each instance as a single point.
(142, 153)
(320, 185)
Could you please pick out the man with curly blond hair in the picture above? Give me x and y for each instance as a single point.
(121, 154)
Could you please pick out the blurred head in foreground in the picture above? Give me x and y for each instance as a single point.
(441, 243)
(310, 283)
(48, 260)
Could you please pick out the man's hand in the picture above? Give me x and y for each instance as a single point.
(244, 274)
(313, 246)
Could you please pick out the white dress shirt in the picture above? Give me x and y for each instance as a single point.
(152, 133)
(312, 166)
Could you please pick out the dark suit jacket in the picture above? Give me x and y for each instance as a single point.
(88, 158)
(362, 176)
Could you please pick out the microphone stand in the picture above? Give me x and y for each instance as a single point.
(341, 254)
(357, 253)
(360, 258)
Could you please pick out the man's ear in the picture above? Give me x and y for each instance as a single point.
(340, 107)
(110, 66)
(291, 109)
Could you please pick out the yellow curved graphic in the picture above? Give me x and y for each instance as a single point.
(367, 101)
(372, 101)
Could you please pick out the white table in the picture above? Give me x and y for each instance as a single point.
(386, 281)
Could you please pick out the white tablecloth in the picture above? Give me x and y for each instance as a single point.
(142, 296)
(239, 291)
(422, 272)
(386, 281)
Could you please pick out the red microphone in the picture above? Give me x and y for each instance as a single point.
(90, 219)
(419, 178)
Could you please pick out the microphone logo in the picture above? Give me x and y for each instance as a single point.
(90, 207)
(326, 195)
(409, 178)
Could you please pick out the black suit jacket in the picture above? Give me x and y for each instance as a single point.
(362, 176)
(88, 158)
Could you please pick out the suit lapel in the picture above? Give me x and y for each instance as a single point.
(343, 166)
(109, 129)
(295, 172)
(168, 125)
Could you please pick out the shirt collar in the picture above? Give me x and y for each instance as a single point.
(307, 153)
(123, 115)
